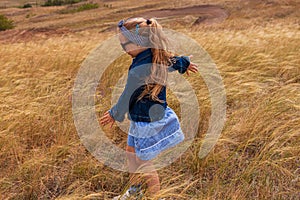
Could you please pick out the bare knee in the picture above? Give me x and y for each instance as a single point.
(130, 149)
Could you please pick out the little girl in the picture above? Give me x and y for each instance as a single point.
(144, 97)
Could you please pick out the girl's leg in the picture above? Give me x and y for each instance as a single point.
(131, 158)
(132, 165)
(151, 177)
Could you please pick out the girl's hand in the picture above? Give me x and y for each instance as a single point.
(106, 119)
(192, 67)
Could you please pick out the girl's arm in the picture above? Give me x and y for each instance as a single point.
(118, 111)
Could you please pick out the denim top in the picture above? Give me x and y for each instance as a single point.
(145, 110)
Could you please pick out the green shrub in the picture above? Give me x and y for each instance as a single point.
(5, 23)
(87, 6)
(27, 5)
(60, 2)
(53, 3)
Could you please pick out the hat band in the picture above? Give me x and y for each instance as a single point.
(135, 38)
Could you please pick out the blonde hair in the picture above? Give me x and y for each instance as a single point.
(161, 55)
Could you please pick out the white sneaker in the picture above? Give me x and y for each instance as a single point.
(133, 191)
(123, 197)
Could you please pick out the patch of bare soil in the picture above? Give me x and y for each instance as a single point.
(206, 13)
(31, 34)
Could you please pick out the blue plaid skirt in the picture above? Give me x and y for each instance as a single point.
(150, 138)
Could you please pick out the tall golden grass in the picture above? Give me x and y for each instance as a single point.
(256, 157)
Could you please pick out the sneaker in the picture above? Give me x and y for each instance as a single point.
(133, 191)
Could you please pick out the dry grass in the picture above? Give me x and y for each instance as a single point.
(256, 157)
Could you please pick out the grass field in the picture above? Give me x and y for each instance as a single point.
(256, 49)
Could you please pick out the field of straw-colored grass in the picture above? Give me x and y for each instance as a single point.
(256, 157)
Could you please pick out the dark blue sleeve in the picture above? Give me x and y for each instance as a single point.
(180, 63)
(118, 111)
